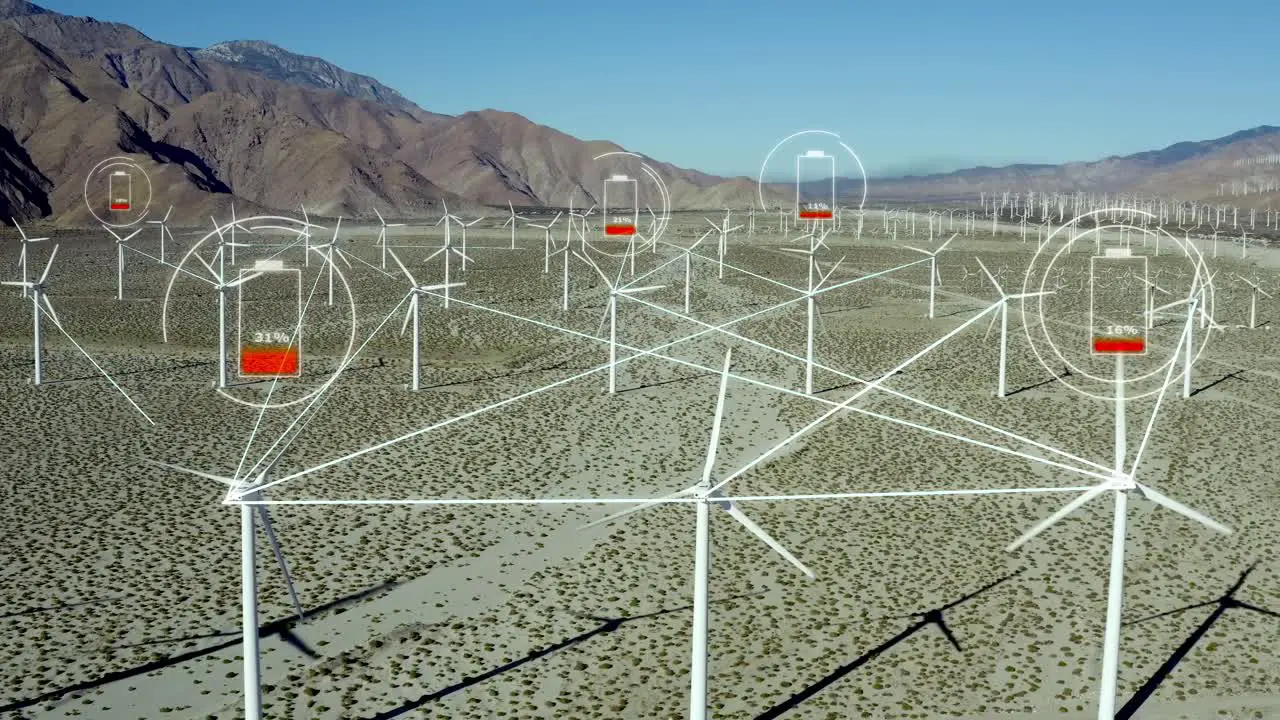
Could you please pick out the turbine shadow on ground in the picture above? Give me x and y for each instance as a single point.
(607, 625)
(282, 627)
(1224, 603)
(56, 608)
(1042, 383)
(926, 618)
(149, 371)
(1233, 375)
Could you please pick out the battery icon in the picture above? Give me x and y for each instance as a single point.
(621, 206)
(269, 321)
(1117, 303)
(120, 190)
(817, 170)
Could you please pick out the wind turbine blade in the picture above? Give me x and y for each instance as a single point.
(634, 508)
(759, 532)
(407, 314)
(244, 279)
(647, 288)
(714, 443)
(434, 255)
(1065, 511)
(284, 565)
(48, 266)
(945, 244)
(48, 307)
(1162, 499)
(990, 277)
(208, 476)
(796, 250)
(22, 255)
(604, 317)
(990, 325)
(922, 252)
(592, 263)
(20, 230)
(381, 221)
(705, 235)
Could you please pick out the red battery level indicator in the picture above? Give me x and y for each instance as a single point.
(1117, 303)
(815, 185)
(120, 190)
(621, 206)
(270, 328)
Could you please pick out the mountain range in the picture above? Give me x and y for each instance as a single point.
(251, 124)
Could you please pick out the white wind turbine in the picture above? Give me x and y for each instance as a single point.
(39, 304)
(416, 292)
(706, 497)
(120, 241)
(815, 273)
(464, 226)
(1253, 300)
(512, 222)
(565, 251)
(688, 268)
(1152, 288)
(249, 579)
(382, 243)
(933, 268)
(448, 249)
(22, 255)
(1004, 323)
(223, 286)
(164, 230)
(330, 250)
(722, 247)
(1121, 483)
(611, 313)
(546, 242)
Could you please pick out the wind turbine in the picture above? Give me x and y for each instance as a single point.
(249, 579)
(546, 242)
(163, 230)
(512, 222)
(22, 256)
(1004, 323)
(723, 246)
(933, 267)
(222, 286)
(1121, 484)
(448, 249)
(612, 312)
(815, 272)
(706, 498)
(120, 241)
(39, 304)
(464, 226)
(330, 248)
(1253, 300)
(688, 268)
(1151, 299)
(382, 241)
(416, 291)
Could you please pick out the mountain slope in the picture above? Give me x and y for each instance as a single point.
(276, 63)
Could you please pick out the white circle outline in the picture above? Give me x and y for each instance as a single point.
(128, 162)
(764, 165)
(1189, 251)
(164, 312)
(663, 220)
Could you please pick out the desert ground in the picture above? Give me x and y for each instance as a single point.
(120, 596)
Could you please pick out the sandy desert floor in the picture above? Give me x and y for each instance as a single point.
(120, 596)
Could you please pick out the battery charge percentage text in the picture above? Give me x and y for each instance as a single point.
(815, 211)
(274, 337)
(1122, 330)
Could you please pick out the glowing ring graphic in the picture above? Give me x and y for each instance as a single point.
(663, 218)
(785, 140)
(1200, 279)
(110, 162)
(218, 231)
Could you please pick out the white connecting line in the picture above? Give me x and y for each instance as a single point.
(1102, 472)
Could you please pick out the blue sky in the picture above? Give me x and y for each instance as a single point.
(909, 84)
